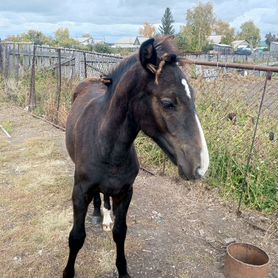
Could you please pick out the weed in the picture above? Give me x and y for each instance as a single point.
(229, 138)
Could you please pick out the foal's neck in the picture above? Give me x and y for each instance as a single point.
(119, 127)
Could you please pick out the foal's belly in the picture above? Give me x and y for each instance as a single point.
(114, 182)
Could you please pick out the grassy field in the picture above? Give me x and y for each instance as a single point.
(228, 110)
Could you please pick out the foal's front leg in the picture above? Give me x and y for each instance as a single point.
(80, 200)
(120, 207)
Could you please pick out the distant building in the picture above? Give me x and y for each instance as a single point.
(85, 40)
(240, 44)
(140, 39)
(130, 42)
(273, 47)
(223, 49)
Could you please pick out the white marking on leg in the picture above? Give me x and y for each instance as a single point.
(204, 151)
(107, 221)
(186, 87)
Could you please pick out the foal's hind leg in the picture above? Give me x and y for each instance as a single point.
(80, 200)
(96, 219)
(106, 221)
(120, 207)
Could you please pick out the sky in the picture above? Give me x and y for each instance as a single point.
(111, 20)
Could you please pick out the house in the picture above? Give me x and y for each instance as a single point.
(273, 47)
(223, 49)
(240, 44)
(140, 39)
(130, 42)
(85, 40)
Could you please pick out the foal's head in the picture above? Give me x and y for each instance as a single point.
(169, 114)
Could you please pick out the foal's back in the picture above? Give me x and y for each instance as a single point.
(86, 111)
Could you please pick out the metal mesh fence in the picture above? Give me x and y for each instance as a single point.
(228, 101)
(229, 106)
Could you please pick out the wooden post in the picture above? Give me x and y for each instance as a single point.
(32, 95)
(85, 64)
(17, 63)
(59, 84)
(1, 58)
(6, 66)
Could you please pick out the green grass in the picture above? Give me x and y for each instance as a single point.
(228, 142)
(8, 126)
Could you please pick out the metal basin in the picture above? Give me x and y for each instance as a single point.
(246, 261)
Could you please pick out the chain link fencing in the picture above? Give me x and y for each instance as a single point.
(238, 108)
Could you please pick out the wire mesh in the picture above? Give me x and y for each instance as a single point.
(227, 102)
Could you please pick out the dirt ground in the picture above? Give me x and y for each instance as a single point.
(175, 228)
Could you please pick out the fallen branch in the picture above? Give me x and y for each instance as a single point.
(5, 131)
(147, 171)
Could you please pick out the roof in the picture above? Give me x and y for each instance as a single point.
(130, 42)
(85, 40)
(141, 39)
(237, 43)
(222, 45)
(126, 40)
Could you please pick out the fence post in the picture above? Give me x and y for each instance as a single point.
(59, 84)
(85, 64)
(1, 57)
(32, 95)
(7, 59)
(244, 184)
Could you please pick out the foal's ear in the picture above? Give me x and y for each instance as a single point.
(147, 54)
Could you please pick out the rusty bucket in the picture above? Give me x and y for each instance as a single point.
(246, 261)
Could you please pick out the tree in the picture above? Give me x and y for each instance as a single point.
(270, 38)
(199, 25)
(250, 32)
(62, 38)
(225, 30)
(166, 27)
(148, 30)
(102, 48)
(34, 36)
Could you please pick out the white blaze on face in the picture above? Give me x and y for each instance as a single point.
(204, 150)
(186, 87)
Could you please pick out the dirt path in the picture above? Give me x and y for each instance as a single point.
(176, 229)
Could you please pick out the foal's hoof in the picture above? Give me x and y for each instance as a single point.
(96, 220)
(68, 273)
(124, 276)
(107, 227)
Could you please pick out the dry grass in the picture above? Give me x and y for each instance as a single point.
(35, 208)
(36, 211)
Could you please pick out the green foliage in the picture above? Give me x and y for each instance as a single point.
(102, 48)
(199, 24)
(250, 32)
(33, 36)
(225, 30)
(166, 27)
(63, 39)
(270, 38)
(228, 141)
(8, 126)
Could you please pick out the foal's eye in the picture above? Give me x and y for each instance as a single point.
(167, 103)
